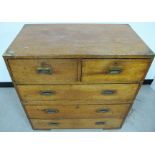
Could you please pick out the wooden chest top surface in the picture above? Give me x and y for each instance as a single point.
(78, 41)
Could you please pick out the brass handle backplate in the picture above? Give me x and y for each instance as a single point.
(114, 70)
(44, 70)
(108, 92)
(53, 124)
(100, 123)
(47, 93)
(51, 111)
(104, 110)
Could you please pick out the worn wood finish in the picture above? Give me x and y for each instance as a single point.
(78, 41)
(104, 123)
(77, 111)
(63, 68)
(60, 70)
(121, 92)
(114, 70)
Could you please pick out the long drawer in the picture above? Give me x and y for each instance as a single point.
(106, 92)
(114, 70)
(104, 123)
(77, 111)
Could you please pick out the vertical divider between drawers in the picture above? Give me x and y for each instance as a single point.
(79, 70)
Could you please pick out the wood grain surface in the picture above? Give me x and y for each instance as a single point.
(77, 111)
(102, 70)
(78, 40)
(121, 92)
(62, 70)
(105, 123)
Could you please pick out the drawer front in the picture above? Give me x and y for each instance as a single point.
(106, 92)
(114, 70)
(77, 111)
(105, 123)
(43, 71)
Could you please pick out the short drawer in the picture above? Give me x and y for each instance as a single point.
(105, 123)
(43, 71)
(106, 92)
(77, 111)
(114, 70)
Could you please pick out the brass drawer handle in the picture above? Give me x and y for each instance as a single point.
(108, 92)
(50, 111)
(114, 71)
(44, 70)
(100, 123)
(47, 93)
(104, 110)
(53, 124)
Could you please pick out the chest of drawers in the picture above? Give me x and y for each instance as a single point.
(77, 75)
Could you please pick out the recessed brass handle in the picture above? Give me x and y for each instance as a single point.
(100, 123)
(104, 110)
(47, 92)
(114, 70)
(44, 70)
(53, 124)
(108, 92)
(51, 111)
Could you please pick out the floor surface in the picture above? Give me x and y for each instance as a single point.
(141, 117)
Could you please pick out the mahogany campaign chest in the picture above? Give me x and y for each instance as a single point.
(77, 75)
